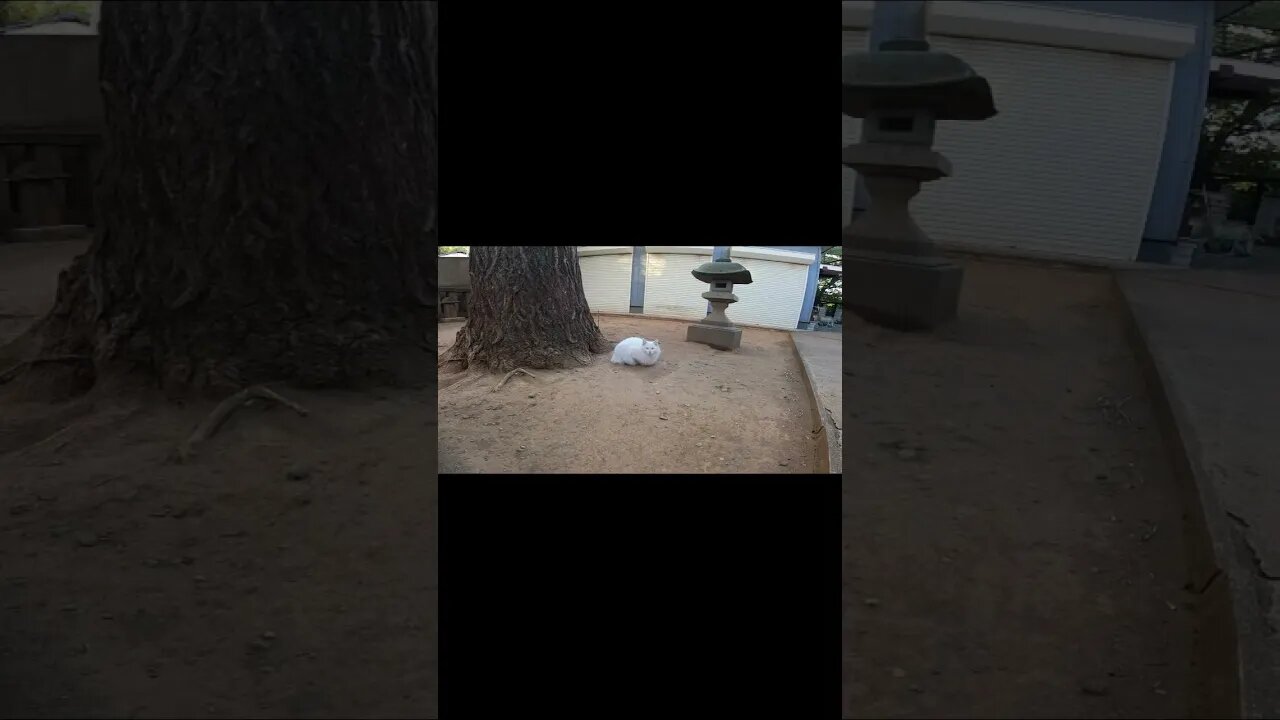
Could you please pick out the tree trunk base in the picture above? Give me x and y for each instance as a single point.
(267, 214)
(527, 308)
(211, 351)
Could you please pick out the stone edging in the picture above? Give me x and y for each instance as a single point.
(1230, 657)
(827, 453)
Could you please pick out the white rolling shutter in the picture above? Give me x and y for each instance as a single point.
(670, 290)
(606, 278)
(1068, 165)
(775, 297)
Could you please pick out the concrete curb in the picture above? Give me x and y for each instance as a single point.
(1230, 658)
(828, 454)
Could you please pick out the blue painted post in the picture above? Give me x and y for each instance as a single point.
(718, 252)
(637, 279)
(811, 289)
(898, 20)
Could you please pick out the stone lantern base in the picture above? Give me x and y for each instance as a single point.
(904, 292)
(719, 337)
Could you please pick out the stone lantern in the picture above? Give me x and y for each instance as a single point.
(895, 275)
(715, 329)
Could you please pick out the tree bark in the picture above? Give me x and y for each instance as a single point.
(267, 202)
(526, 309)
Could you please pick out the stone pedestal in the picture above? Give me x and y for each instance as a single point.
(903, 292)
(894, 274)
(716, 329)
(719, 337)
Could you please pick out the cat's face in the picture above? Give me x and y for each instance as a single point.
(650, 347)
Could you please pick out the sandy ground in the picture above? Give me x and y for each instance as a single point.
(289, 570)
(698, 410)
(1012, 543)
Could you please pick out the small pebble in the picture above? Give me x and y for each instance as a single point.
(784, 463)
(871, 602)
(898, 672)
(907, 454)
(268, 635)
(298, 472)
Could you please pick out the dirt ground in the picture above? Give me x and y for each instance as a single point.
(698, 410)
(288, 570)
(1012, 542)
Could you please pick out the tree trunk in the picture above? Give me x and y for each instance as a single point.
(267, 201)
(527, 309)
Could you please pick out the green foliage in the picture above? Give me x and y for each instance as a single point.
(829, 292)
(829, 287)
(450, 249)
(1231, 141)
(19, 12)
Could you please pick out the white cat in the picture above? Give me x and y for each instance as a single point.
(636, 351)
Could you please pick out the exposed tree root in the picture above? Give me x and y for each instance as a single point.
(86, 421)
(508, 377)
(446, 361)
(224, 409)
(459, 378)
(65, 435)
(22, 367)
